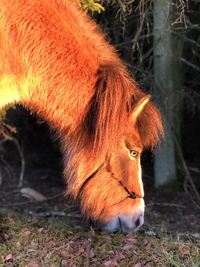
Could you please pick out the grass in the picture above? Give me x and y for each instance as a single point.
(25, 242)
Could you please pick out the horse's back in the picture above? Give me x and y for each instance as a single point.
(49, 43)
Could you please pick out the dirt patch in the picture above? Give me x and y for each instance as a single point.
(175, 212)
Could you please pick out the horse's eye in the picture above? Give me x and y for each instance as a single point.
(133, 153)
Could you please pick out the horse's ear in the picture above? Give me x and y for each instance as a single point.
(138, 108)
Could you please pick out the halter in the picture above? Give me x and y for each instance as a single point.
(89, 178)
(131, 195)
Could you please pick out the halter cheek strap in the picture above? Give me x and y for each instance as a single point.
(88, 179)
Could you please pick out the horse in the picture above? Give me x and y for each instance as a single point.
(55, 61)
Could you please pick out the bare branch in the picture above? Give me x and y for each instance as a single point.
(195, 196)
(190, 64)
(21, 177)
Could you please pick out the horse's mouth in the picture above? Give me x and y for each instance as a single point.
(124, 224)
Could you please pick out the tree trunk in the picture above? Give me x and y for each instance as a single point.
(167, 88)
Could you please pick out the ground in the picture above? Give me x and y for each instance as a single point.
(33, 243)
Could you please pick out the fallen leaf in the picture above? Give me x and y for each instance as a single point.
(131, 238)
(80, 251)
(10, 264)
(110, 252)
(147, 244)
(18, 244)
(50, 244)
(110, 263)
(40, 230)
(25, 232)
(32, 264)
(8, 257)
(184, 252)
(64, 263)
(6, 236)
(138, 264)
(119, 255)
(92, 254)
(127, 247)
(32, 194)
(64, 253)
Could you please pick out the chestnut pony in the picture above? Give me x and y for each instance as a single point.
(55, 61)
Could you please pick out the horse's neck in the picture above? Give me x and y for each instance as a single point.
(56, 96)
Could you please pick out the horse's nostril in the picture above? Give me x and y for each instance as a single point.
(137, 222)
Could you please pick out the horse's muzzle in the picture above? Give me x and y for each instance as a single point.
(124, 224)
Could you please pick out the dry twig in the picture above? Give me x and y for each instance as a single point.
(171, 205)
(21, 154)
(192, 191)
(89, 246)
